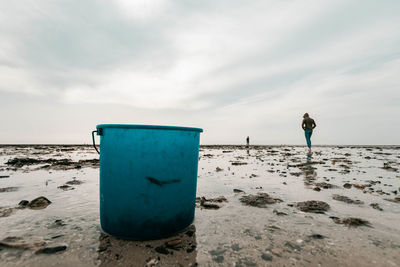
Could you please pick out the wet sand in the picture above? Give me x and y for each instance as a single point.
(252, 209)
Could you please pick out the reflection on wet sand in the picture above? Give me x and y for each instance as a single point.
(309, 172)
(177, 250)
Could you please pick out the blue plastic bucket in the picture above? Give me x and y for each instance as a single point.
(148, 178)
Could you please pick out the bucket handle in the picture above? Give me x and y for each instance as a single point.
(94, 142)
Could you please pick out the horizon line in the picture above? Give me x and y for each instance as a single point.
(244, 145)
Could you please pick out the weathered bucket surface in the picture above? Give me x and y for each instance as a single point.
(148, 178)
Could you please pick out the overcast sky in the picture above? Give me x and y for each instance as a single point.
(234, 68)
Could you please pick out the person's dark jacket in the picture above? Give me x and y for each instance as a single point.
(308, 124)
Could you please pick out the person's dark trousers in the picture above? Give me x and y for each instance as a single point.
(308, 134)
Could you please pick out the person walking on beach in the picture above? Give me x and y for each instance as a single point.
(308, 126)
(248, 140)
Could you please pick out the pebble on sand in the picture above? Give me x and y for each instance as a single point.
(346, 199)
(51, 249)
(351, 221)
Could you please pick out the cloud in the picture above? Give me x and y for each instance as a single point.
(236, 63)
(141, 59)
(142, 10)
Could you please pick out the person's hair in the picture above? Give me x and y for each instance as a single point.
(306, 115)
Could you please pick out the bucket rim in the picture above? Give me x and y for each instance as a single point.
(150, 127)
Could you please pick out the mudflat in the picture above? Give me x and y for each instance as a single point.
(256, 206)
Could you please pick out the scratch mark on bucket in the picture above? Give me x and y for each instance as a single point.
(161, 183)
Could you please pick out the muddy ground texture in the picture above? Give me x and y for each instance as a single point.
(255, 206)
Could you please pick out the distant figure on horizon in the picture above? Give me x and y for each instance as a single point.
(248, 140)
(308, 126)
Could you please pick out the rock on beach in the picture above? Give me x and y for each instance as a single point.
(39, 203)
(314, 206)
(260, 200)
